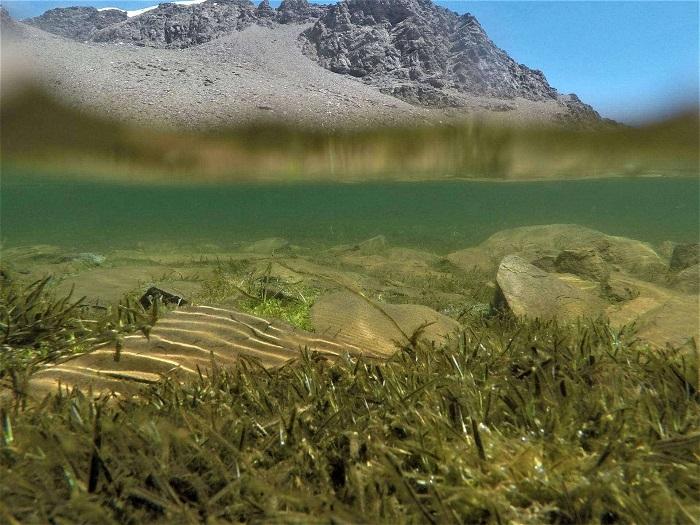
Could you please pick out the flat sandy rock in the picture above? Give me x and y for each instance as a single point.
(540, 242)
(383, 328)
(268, 246)
(301, 270)
(182, 343)
(106, 286)
(410, 263)
(661, 316)
(531, 292)
(687, 280)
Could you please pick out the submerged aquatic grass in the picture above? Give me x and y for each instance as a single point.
(514, 422)
(260, 293)
(38, 327)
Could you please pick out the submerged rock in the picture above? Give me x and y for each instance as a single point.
(586, 263)
(372, 246)
(168, 297)
(534, 243)
(268, 246)
(684, 256)
(665, 249)
(687, 280)
(91, 259)
(383, 328)
(660, 316)
(528, 291)
(183, 344)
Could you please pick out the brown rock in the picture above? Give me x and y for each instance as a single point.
(687, 280)
(182, 344)
(473, 258)
(383, 328)
(684, 256)
(535, 243)
(661, 316)
(530, 292)
(583, 262)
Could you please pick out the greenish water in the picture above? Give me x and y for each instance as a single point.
(439, 216)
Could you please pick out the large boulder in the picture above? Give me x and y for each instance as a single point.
(586, 263)
(384, 328)
(687, 280)
(530, 292)
(684, 256)
(542, 243)
(661, 316)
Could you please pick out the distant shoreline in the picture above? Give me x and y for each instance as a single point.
(20, 175)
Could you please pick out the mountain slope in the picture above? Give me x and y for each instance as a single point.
(410, 50)
(425, 54)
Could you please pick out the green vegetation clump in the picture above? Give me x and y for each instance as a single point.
(260, 293)
(514, 422)
(297, 314)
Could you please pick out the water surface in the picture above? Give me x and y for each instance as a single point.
(440, 216)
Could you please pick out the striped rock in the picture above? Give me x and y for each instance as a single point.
(182, 344)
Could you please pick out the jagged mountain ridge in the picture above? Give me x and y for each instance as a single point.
(413, 50)
(171, 25)
(78, 23)
(424, 47)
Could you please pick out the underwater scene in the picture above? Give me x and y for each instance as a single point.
(456, 296)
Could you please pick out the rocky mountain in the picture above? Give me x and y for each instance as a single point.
(180, 26)
(419, 51)
(412, 50)
(172, 25)
(8, 27)
(78, 23)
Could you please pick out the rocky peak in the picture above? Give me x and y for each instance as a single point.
(426, 54)
(179, 26)
(297, 11)
(8, 26)
(265, 9)
(78, 23)
(415, 41)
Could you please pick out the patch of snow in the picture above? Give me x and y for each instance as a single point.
(138, 12)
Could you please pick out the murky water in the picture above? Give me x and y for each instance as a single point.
(439, 216)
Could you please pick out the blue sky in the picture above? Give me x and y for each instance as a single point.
(632, 61)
